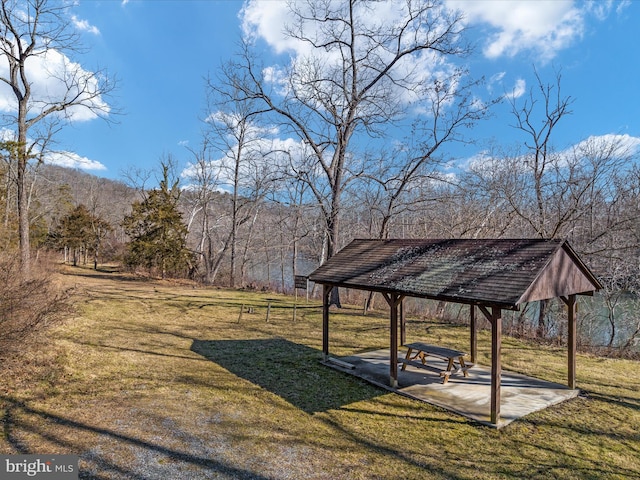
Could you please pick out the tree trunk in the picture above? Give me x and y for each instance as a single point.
(23, 205)
(368, 304)
(234, 236)
(333, 229)
(612, 322)
(542, 326)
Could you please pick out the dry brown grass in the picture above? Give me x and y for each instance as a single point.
(156, 380)
(29, 306)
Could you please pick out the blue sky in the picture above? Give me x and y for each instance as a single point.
(162, 51)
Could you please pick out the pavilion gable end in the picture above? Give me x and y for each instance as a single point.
(561, 277)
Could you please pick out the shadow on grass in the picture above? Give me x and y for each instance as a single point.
(169, 462)
(104, 274)
(290, 370)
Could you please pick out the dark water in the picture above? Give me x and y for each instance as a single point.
(594, 326)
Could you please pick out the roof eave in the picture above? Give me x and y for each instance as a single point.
(445, 298)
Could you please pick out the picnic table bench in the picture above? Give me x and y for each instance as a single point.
(424, 350)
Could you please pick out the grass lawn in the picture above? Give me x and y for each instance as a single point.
(157, 380)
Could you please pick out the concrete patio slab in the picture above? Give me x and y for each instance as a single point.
(468, 396)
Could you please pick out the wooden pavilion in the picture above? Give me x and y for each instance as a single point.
(489, 275)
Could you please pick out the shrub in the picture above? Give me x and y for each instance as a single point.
(28, 306)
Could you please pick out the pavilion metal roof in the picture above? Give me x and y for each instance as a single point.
(493, 272)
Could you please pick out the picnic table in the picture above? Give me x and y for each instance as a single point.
(423, 350)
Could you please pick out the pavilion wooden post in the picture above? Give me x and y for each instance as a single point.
(572, 334)
(403, 333)
(393, 356)
(496, 364)
(326, 293)
(474, 334)
(394, 300)
(495, 317)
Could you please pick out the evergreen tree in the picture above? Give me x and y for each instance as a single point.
(79, 232)
(157, 231)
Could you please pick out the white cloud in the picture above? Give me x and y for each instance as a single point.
(7, 135)
(611, 145)
(235, 125)
(481, 161)
(602, 9)
(268, 21)
(73, 160)
(263, 157)
(62, 158)
(518, 90)
(497, 78)
(84, 25)
(496, 82)
(54, 77)
(541, 26)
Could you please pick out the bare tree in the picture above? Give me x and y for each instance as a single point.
(40, 30)
(405, 174)
(537, 117)
(575, 193)
(358, 78)
(247, 162)
(203, 216)
(295, 220)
